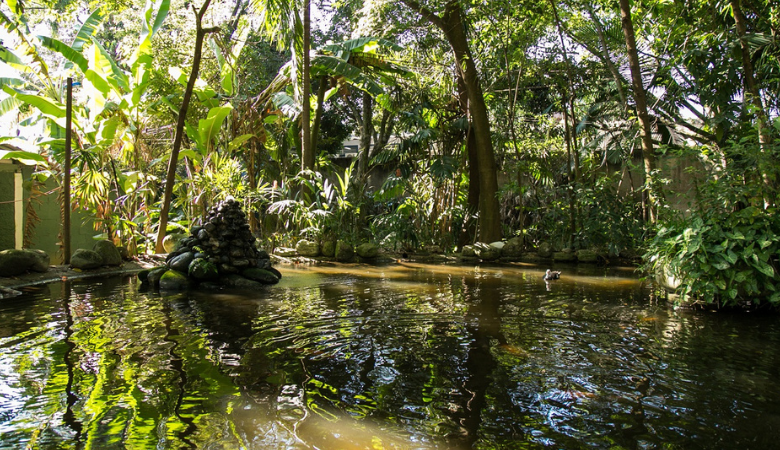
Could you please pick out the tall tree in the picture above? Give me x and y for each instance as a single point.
(307, 152)
(641, 107)
(452, 25)
(200, 35)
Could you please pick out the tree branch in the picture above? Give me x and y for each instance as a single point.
(425, 12)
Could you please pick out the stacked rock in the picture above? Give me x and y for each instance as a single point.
(224, 240)
(222, 249)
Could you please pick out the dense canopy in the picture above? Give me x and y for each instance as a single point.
(639, 130)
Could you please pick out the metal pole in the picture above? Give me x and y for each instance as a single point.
(66, 181)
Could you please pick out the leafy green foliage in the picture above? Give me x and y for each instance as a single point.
(722, 260)
(726, 251)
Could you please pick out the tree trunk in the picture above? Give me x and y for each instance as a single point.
(468, 231)
(315, 128)
(641, 107)
(753, 96)
(200, 34)
(307, 152)
(451, 24)
(366, 130)
(571, 132)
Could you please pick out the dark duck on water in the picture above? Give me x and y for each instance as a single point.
(551, 275)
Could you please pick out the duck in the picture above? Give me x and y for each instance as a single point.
(551, 275)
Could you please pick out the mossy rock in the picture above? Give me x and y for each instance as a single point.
(86, 259)
(344, 252)
(513, 247)
(275, 272)
(544, 250)
(153, 278)
(486, 252)
(171, 240)
(307, 248)
(260, 275)
(469, 251)
(329, 249)
(173, 280)
(108, 251)
(367, 250)
(238, 282)
(15, 262)
(201, 269)
(182, 262)
(587, 256)
(564, 256)
(143, 275)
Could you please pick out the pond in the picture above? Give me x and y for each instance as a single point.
(397, 356)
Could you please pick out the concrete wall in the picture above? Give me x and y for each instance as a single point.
(8, 213)
(46, 232)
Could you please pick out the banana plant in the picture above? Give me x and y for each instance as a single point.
(106, 120)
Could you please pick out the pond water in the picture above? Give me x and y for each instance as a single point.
(397, 356)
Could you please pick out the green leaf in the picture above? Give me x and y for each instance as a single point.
(159, 17)
(731, 257)
(191, 154)
(87, 30)
(226, 71)
(98, 82)
(10, 58)
(43, 104)
(208, 128)
(238, 141)
(102, 63)
(178, 75)
(8, 81)
(24, 156)
(765, 268)
(66, 51)
(108, 129)
(9, 104)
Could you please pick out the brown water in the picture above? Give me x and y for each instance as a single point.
(399, 356)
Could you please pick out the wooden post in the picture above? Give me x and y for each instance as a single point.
(66, 181)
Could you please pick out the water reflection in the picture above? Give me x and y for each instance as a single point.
(398, 356)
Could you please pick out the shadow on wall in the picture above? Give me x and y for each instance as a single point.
(14, 216)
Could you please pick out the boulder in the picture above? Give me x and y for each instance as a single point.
(274, 271)
(544, 250)
(182, 262)
(86, 259)
(16, 262)
(587, 256)
(153, 278)
(344, 252)
(285, 252)
(329, 248)
(469, 251)
(173, 280)
(666, 278)
(308, 248)
(108, 251)
(143, 276)
(170, 241)
(238, 282)
(498, 245)
(367, 250)
(564, 256)
(260, 275)
(42, 260)
(201, 269)
(513, 247)
(486, 252)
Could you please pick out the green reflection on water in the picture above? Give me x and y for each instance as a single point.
(398, 356)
